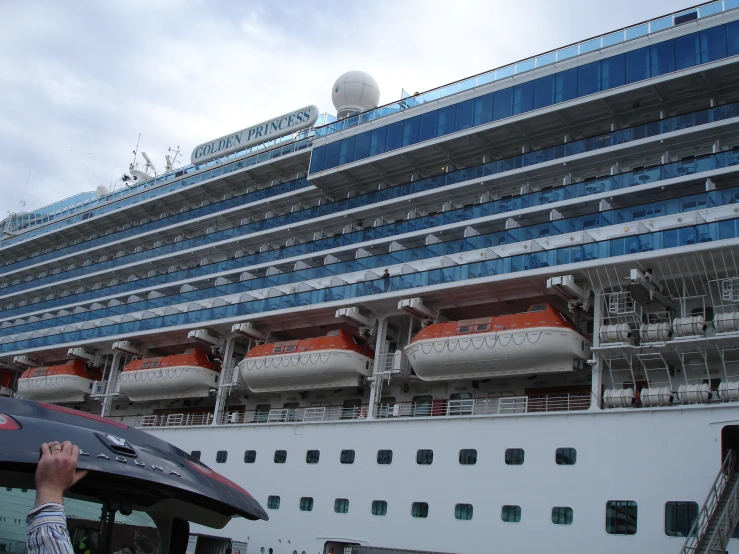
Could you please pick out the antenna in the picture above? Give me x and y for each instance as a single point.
(170, 160)
(135, 153)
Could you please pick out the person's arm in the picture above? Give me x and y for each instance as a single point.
(47, 525)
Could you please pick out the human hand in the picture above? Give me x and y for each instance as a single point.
(55, 472)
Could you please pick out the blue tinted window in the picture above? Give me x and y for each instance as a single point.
(411, 129)
(484, 109)
(544, 91)
(428, 125)
(732, 36)
(503, 103)
(523, 98)
(612, 72)
(446, 121)
(637, 65)
(687, 51)
(588, 79)
(317, 159)
(566, 85)
(662, 58)
(464, 115)
(346, 152)
(362, 146)
(713, 44)
(377, 141)
(332, 154)
(394, 136)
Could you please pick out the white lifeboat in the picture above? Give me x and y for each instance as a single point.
(540, 340)
(69, 382)
(189, 375)
(6, 382)
(337, 360)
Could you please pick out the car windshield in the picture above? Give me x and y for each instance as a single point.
(133, 534)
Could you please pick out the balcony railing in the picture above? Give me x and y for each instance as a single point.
(509, 405)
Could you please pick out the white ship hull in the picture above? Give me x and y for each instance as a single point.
(315, 370)
(540, 350)
(605, 442)
(55, 388)
(166, 383)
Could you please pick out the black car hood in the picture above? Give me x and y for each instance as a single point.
(125, 465)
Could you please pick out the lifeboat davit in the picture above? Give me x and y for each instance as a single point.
(189, 375)
(69, 382)
(540, 340)
(337, 360)
(6, 382)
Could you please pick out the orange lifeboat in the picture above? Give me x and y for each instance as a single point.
(6, 382)
(69, 382)
(187, 375)
(540, 340)
(337, 360)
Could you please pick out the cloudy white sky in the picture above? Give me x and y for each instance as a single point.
(80, 79)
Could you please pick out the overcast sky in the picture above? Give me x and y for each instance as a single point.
(80, 79)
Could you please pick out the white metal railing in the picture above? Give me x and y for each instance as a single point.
(435, 408)
(697, 536)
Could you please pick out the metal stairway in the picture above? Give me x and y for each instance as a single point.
(719, 514)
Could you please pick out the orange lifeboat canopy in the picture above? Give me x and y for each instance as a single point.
(539, 340)
(68, 382)
(192, 374)
(336, 360)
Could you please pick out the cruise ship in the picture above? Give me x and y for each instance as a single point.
(501, 315)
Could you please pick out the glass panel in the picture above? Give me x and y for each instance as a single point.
(662, 58)
(504, 72)
(613, 38)
(565, 85)
(590, 45)
(687, 51)
(377, 141)
(546, 59)
(484, 109)
(638, 31)
(503, 104)
(544, 92)
(588, 79)
(411, 130)
(613, 72)
(660, 24)
(637, 65)
(732, 35)
(525, 65)
(711, 9)
(713, 44)
(394, 136)
(568, 52)
(465, 111)
(446, 121)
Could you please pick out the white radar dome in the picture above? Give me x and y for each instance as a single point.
(355, 91)
(102, 190)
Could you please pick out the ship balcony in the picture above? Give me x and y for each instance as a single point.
(396, 147)
(654, 213)
(686, 134)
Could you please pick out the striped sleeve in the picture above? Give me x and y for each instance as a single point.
(47, 530)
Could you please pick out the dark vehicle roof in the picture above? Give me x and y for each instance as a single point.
(125, 465)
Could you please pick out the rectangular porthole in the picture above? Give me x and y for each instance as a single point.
(566, 456)
(514, 456)
(221, 456)
(679, 518)
(468, 456)
(420, 509)
(562, 515)
(280, 456)
(312, 456)
(273, 502)
(379, 507)
(463, 511)
(341, 505)
(384, 457)
(621, 517)
(306, 504)
(510, 513)
(196, 454)
(424, 457)
(347, 457)
(250, 456)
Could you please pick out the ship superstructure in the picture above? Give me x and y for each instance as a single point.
(503, 313)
